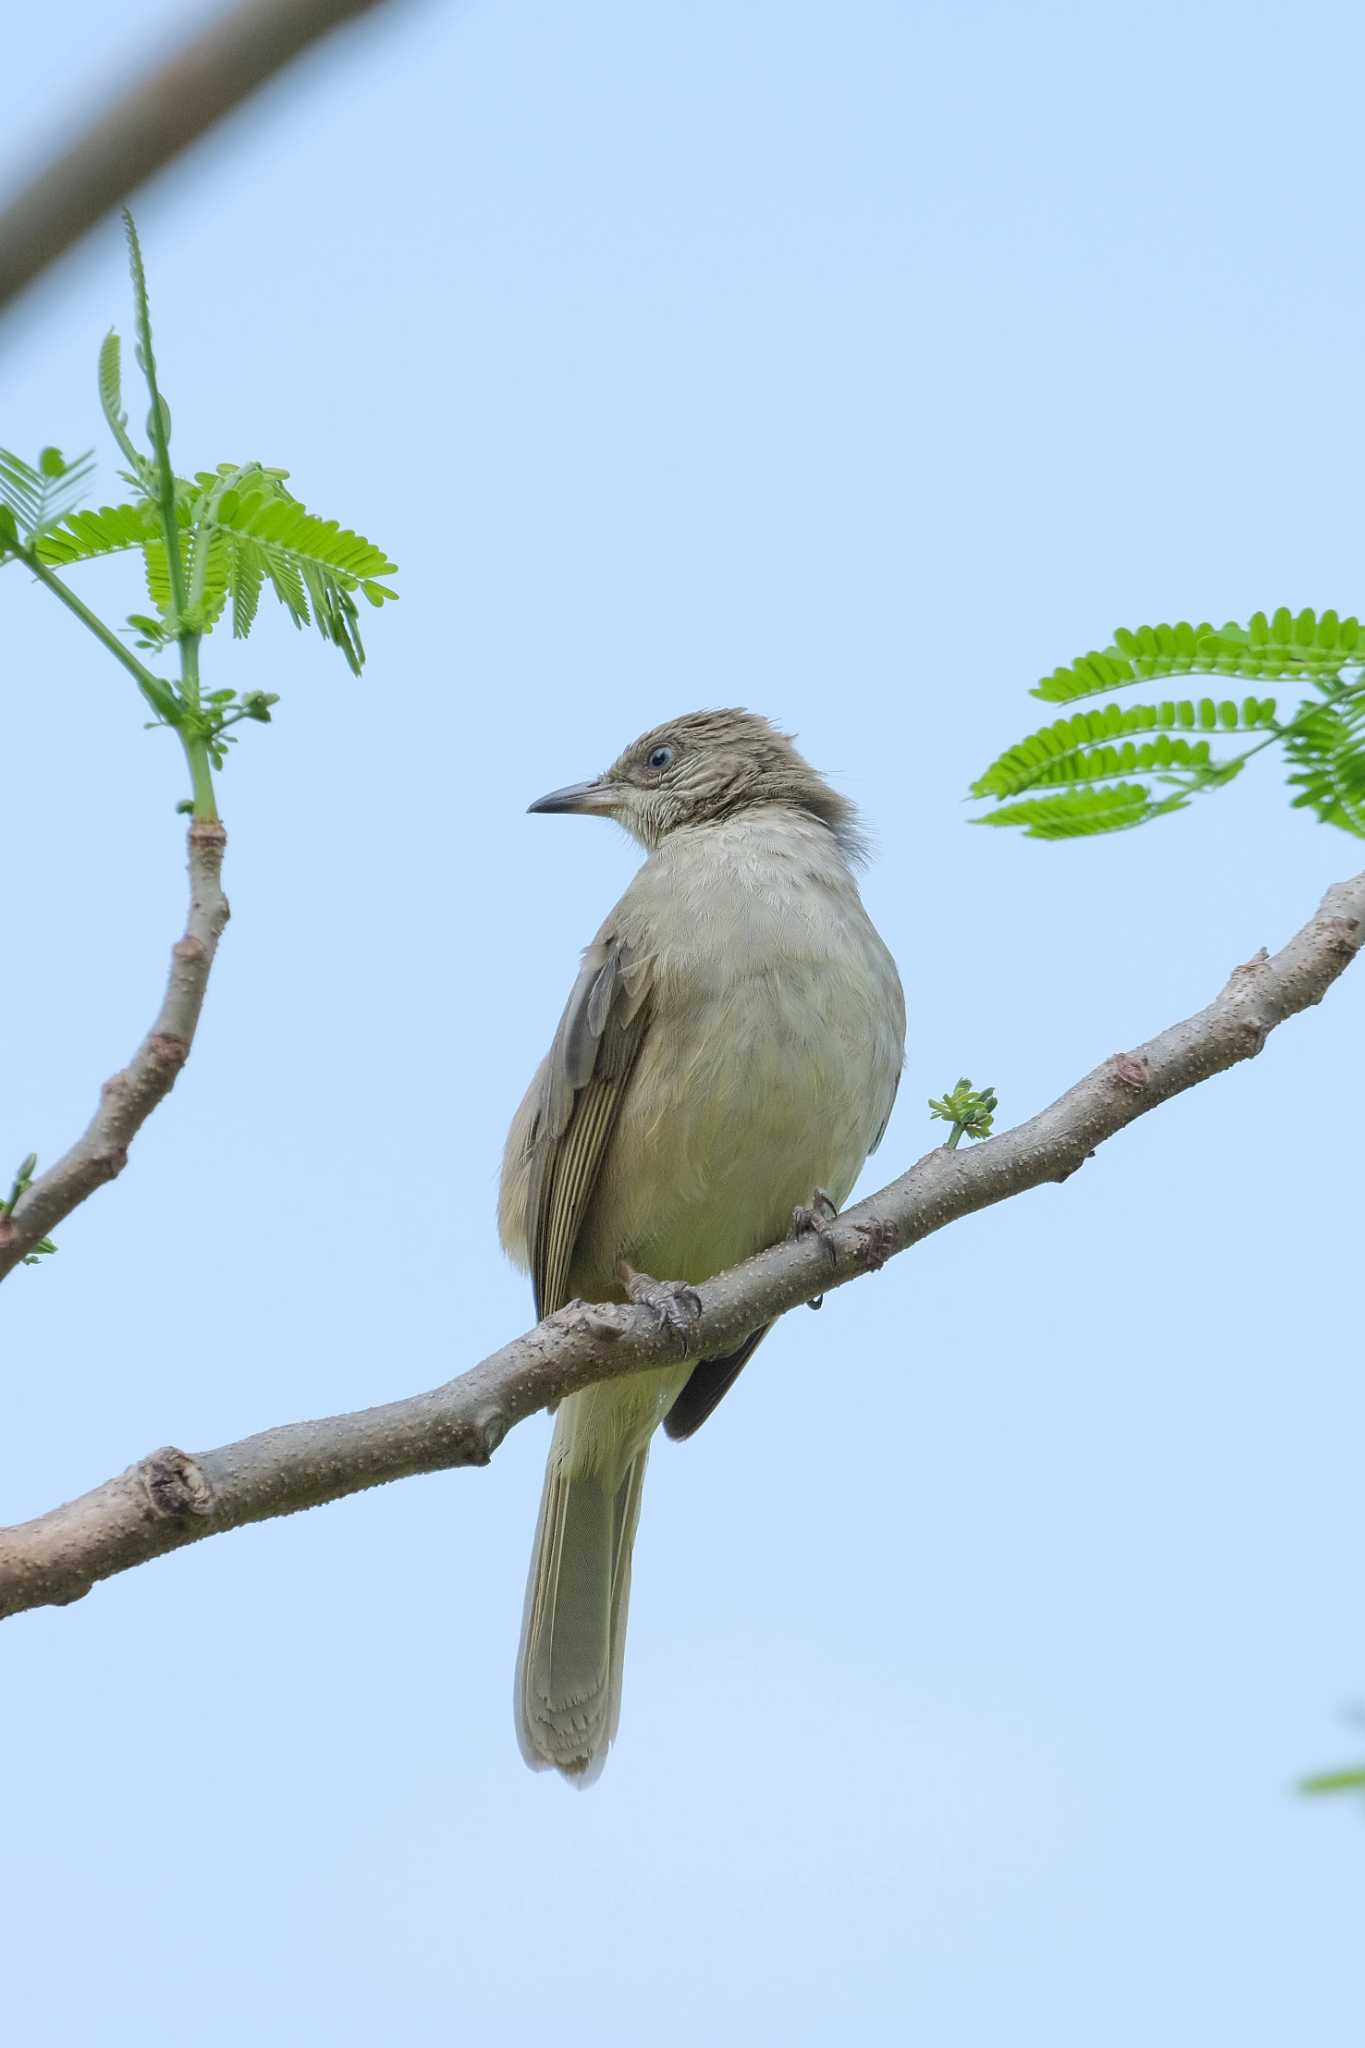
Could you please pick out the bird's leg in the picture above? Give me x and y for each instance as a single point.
(814, 1219)
(673, 1304)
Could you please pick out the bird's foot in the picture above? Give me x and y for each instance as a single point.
(878, 1239)
(815, 1219)
(674, 1305)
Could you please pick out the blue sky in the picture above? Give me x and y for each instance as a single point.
(859, 365)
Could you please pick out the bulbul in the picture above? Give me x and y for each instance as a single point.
(731, 1046)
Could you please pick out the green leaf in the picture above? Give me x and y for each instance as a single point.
(276, 520)
(111, 405)
(313, 565)
(1327, 751)
(81, 536)
(200, 618)
(152, 633)
(1304, 645)
(287, 584)
(39, 498)
(248, 574)
(970, 1111)
(165, 700)
(1147, 651)
(1082, 813)
(142, 312)
(1308, 644)
(208, 570)
(1334, 1781)
(1073, 750)
(111, 383)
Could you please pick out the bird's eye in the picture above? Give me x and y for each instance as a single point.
(660, 758)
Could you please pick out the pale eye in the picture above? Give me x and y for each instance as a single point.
(660, 758)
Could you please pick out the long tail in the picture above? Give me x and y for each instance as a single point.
(573, 1631)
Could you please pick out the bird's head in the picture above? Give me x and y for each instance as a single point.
(701, 768)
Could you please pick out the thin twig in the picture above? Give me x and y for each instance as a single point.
(171, 1498)
(152, 122)
(130, 1096)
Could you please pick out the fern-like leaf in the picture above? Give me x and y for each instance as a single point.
(1304, 644)
(247, 577)
(82, 536)
(111, 383)
(335, 614)
(287, 584)
(111, 405)
(1082, 813)
(1307, 643)
(1327, 749)
(281, 522)
(1063, 751)
(1105, 763)
(217, 569)
(1150, 651)
(313, 565)
(39, 498)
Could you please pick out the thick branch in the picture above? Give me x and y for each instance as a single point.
(130, 1096)
(171, 1498)
(152, 122)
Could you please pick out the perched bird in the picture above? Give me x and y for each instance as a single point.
(731, 1048)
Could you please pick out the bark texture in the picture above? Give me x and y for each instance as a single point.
(128, 1098)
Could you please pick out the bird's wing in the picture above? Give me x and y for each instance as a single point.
(895, 1090)
(582, 1088)
(707, 1387)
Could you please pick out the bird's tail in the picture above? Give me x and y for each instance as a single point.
(573, 1632)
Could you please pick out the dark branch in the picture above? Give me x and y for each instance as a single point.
(171, 1498)
(152, 122)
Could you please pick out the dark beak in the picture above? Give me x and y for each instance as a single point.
(584, 798)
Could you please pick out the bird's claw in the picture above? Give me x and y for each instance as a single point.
(674, 1305)
(814, 1219)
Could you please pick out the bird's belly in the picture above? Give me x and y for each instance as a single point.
(738, 1110)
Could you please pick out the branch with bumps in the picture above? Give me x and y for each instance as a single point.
(128, 1098)
(173, 1498)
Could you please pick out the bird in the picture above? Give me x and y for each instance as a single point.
(729, 1054)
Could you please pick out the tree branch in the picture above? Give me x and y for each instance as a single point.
(130, 1096)
(171, 1498)
(152, 122)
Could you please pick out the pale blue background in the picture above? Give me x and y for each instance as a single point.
(856, 363)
